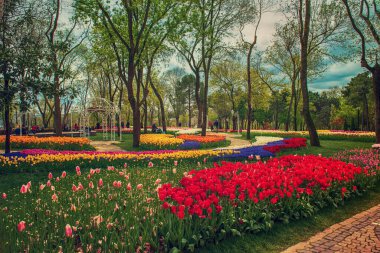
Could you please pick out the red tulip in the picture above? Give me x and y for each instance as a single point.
(21, 226)
(100, 182)
(68, 231)
(24, 189)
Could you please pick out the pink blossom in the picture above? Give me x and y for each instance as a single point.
(68, 231)
(24, 189)
(21, 226)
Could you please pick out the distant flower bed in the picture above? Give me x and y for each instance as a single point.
(323, 134)
(202, 139)
(31, 159)
(60, 143)
(160, 140)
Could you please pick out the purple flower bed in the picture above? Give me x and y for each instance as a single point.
(190, 145)
(244, 153)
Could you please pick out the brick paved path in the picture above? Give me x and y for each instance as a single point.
(361, 233)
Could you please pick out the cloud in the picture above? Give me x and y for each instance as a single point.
(336, 75)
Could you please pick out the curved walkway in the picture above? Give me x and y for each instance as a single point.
(106, 146)
(361, 233)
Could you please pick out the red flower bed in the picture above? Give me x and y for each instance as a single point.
(206, 192)
(289, 143)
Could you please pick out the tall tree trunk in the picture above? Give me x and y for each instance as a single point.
(57, 107)
(162, 106)
(7, 103)
(304, 39)
(290, 107)
(204, 102)
(189, 107)
(376, 92)
(145, 117)
(198, 97)
(249, 82)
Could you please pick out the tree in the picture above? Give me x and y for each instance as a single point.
(188, 82)
(358, 93)
(228, 78)
(319, 22)
(130, 25)
(365, 21)
(60, 46)
(19, 47)
(177, 91)
(257, 8)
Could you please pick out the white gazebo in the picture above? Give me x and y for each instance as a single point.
(107, 111)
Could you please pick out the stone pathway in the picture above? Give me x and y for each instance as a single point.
(106, 146)
(361, 233)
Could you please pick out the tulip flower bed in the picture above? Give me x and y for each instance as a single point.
(35, 160)
(208, 141)
(155, 208)
(361, 136)
(57, 143)
(159, 141)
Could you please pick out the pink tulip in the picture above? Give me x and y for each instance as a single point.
(205, 160)
(4, 196)
(54, 197)
(77, 168)
(91, 185)
(118, 184)
(139, 186)
(21, 226)
(116, 207)
(125, 165)
(74, 188)
(63, 174)
(80, 186)
(92, 171)
(114, 184)
(42, 186)
(157, 181)
(150, 164)
(174, 170)
(50, 176)
(97, 170)
(57, 179)
(129, 187)
(73, 208)
(48, 183)
(175, 163)
(52, 188)
(68, 231)
(100, 182)
(23, 189)
(28, 185)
